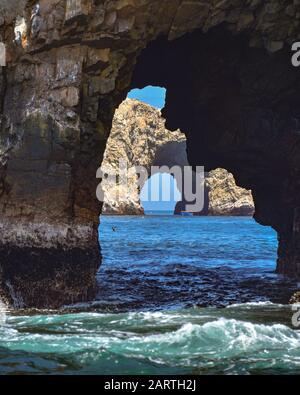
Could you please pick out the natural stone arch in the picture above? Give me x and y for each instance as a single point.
(169, 158)
(139, 138)
(59, 94)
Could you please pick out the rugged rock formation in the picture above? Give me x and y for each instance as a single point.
(139, 137)
(295, 299)
(230, 86)
(224, 197)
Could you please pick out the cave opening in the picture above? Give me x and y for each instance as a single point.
(225, 105)
(217, 236)
(238, 105)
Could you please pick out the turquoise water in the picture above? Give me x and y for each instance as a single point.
(177, 296)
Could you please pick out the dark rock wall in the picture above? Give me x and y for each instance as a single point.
(230, 85)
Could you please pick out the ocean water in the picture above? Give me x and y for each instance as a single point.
(177, 295)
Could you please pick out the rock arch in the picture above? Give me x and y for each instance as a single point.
(230, 87)
(139, 137)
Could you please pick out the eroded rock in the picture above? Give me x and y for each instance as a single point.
(295, 299)
(139, 137)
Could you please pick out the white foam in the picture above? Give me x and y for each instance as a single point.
(255, 304)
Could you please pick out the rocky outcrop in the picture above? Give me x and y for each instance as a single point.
(225, 197)
(295, 299)
(230, 86)
(139, 137)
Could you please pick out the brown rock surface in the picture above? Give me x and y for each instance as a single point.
(295, 299)
(139, 137)
(225, 197)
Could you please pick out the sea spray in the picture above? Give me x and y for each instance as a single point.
(18, 302)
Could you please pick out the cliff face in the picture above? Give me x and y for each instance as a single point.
(230, 86)
(139, 137)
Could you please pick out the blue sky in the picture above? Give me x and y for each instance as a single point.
(152, 95)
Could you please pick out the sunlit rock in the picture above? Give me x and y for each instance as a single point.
(139, 137)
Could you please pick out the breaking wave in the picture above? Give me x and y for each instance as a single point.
(185, 341)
